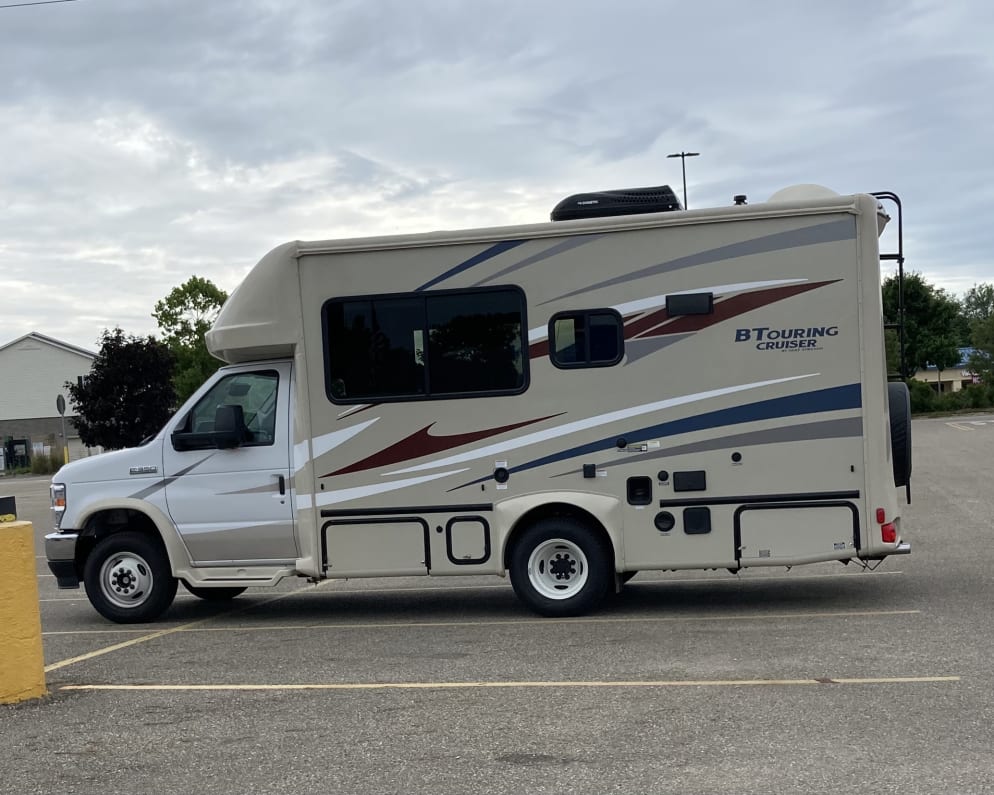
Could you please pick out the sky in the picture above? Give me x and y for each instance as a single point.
(143, 142)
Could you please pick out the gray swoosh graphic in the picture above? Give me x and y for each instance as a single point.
(827, 429)
(161, 484)
(636, 349)
(808, 236)
(552, 251)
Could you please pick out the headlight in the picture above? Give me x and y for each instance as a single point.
(58, 492)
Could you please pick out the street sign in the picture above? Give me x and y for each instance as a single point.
(60, 405)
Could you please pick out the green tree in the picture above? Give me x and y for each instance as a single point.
(978, 314)
(128, 394)
(930, 316)
(982, 359)
(184, 316)
(978, 302)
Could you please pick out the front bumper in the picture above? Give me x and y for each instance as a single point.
(60, 549)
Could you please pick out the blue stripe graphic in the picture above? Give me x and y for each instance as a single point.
(832, 399)
(483, 256)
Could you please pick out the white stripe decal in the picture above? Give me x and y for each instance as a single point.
(358, 492)
(329, 441)
(657, 301)
(354, 409)
(590, 422)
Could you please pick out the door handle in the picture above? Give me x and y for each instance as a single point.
(282, 484)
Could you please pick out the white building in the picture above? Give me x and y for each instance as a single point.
(33, 370)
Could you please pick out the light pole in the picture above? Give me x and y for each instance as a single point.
(683, 164)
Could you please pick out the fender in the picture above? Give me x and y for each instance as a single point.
(175, 549)
(605, 509)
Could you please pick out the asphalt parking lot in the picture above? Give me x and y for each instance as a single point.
(821, 679)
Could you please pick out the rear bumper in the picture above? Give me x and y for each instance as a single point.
(60, 549)
(904, 548)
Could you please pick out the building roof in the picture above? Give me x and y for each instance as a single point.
(964, 360)
(34, 335)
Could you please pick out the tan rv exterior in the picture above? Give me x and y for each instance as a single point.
(737, 413)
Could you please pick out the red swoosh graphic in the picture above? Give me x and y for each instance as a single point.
(729, 308)
(422, 443)
(658, 323)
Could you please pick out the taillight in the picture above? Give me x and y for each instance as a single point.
(888, 530)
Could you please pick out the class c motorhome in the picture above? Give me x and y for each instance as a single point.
(637, 387)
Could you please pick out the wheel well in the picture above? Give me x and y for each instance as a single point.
(105, 523)
(553, 510)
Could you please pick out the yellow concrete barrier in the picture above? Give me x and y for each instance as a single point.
(22, 664)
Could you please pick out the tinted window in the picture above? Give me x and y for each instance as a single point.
(592, 338)
(376, 349)
(425, 345)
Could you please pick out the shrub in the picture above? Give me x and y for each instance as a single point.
(45, 464)
(923, 399)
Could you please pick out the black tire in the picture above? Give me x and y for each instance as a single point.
(561, 567)
(899, 406)
(214, 594)
(128, 579)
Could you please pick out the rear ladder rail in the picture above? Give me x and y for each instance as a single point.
(897, 257)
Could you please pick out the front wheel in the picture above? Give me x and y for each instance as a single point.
(128, 579)
(560, 567)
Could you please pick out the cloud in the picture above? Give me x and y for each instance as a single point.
(147, 142)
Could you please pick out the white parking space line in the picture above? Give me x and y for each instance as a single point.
(880, 680)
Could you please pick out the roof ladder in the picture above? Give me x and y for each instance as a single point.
(897, 257)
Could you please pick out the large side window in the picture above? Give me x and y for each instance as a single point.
(254, 392)
(423, 345)
(588, 338)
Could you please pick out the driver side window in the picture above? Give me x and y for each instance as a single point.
(254, 392)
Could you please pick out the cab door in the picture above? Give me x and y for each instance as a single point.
(233, 506)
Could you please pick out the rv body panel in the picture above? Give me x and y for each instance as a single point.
(771, 376)
(682, 390)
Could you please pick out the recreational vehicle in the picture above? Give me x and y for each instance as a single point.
(628, 387)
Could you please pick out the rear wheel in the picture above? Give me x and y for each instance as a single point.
(899, 407)
(128, 579)
(561, 567)
(214, 594)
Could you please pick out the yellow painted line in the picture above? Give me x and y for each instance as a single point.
(82, 598)
(99, 631)
(161, 633)
(880, 680)
(552, 622)
(350, 589)
(546, 622)
(118, 646)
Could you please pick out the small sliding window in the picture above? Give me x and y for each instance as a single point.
(586, 338)
(418, 346)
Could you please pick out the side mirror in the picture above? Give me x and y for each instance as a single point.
(229, 428)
